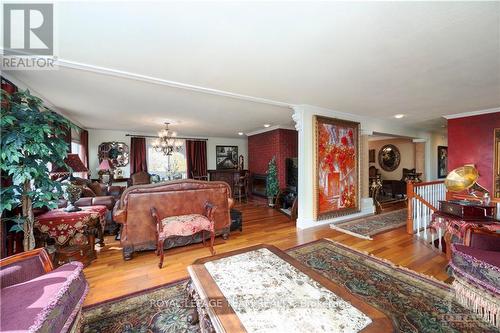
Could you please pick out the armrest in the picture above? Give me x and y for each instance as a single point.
(119, 214)
(24, 266)
(230, 203)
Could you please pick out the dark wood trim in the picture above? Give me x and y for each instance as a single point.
(230, 321)
(40, 253)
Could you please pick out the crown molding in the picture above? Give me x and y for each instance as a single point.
(269, 129)
(471, 113)
(155, 80)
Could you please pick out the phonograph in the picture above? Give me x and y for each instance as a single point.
(465, 179)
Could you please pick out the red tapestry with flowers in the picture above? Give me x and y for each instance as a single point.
(336, 167)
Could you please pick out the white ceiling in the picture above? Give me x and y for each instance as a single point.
(421, 59)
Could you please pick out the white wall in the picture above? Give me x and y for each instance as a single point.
(303, 116)
(96, 137)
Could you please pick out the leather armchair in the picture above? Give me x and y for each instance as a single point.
(139, 178)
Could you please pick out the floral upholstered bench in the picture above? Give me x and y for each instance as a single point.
(184, 225)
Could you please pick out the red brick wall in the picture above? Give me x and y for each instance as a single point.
(470, 141)
(262, 147)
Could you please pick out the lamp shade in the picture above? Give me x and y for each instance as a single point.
(105, 165)
(74, 162)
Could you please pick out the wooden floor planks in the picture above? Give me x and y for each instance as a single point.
(109, 276)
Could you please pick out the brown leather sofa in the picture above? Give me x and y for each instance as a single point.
(170, 199)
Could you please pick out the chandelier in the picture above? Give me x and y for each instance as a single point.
(167, 143)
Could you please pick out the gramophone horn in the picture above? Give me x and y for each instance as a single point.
(461, 178)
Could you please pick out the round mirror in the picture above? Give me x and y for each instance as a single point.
(389, 157)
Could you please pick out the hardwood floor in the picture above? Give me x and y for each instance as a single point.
(109, 276)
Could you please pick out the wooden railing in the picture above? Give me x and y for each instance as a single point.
(423, 201)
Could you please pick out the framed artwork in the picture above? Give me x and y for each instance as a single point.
(442, 157)
(226, 157)
(336, 188)
(371, 156)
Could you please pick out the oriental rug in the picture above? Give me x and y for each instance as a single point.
(415, 303)
(372, 225)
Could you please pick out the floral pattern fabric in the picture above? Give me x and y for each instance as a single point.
(62, 226)
(185, 225)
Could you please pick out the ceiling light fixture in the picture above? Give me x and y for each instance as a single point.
(167, 143)
(240, 133)
(267, 125)
(399, 116)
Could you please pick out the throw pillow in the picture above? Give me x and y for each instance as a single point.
(97, 189)
(87, 192)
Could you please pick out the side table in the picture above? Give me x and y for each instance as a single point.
(73, 232)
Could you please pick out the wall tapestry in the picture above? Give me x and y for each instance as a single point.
(226, 157)
(442, 154)
(336, 187)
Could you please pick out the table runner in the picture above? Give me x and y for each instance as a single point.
(62, 226)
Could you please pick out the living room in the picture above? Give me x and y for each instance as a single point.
(250, 166)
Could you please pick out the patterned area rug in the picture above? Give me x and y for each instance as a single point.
(414, 303)
(372, 225)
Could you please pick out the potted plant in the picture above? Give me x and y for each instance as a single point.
(272, 185)
(32, 137)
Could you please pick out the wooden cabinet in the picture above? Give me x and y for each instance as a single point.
(231, 177)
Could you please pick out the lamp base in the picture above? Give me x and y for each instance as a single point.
(72, 208)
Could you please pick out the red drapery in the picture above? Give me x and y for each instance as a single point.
(84, 152)
(138, 155)
(196, 158)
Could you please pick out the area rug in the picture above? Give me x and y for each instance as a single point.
(372, 225)
(413, 302)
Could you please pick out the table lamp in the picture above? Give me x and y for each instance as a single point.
(73, 192)
(104, 170)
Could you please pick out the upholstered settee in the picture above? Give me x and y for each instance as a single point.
(476, 269)
(35, 297)
(180, 197)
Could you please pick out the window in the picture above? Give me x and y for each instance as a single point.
(167, 167)
(75, 147)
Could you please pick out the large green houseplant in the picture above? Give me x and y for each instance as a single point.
(32, 136)
(272, 185)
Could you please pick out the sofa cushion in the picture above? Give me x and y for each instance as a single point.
(185, 225)
(97, 189)
(20, 271)
(48, 303)
(87, 192)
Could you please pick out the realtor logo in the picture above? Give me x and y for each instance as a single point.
(28, 29)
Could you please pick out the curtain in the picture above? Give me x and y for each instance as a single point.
(196, 158)
(84, 150)
(138, 155)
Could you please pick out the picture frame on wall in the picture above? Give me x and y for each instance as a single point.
(336, 167)
(226, 157)
(442, 160)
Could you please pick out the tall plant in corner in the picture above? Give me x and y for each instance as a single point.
(272, 186)
(31, 137)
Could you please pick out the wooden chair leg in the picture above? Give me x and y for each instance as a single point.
(212, 238)
(160, 245)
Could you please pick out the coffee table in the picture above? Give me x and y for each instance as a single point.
(263, 289)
